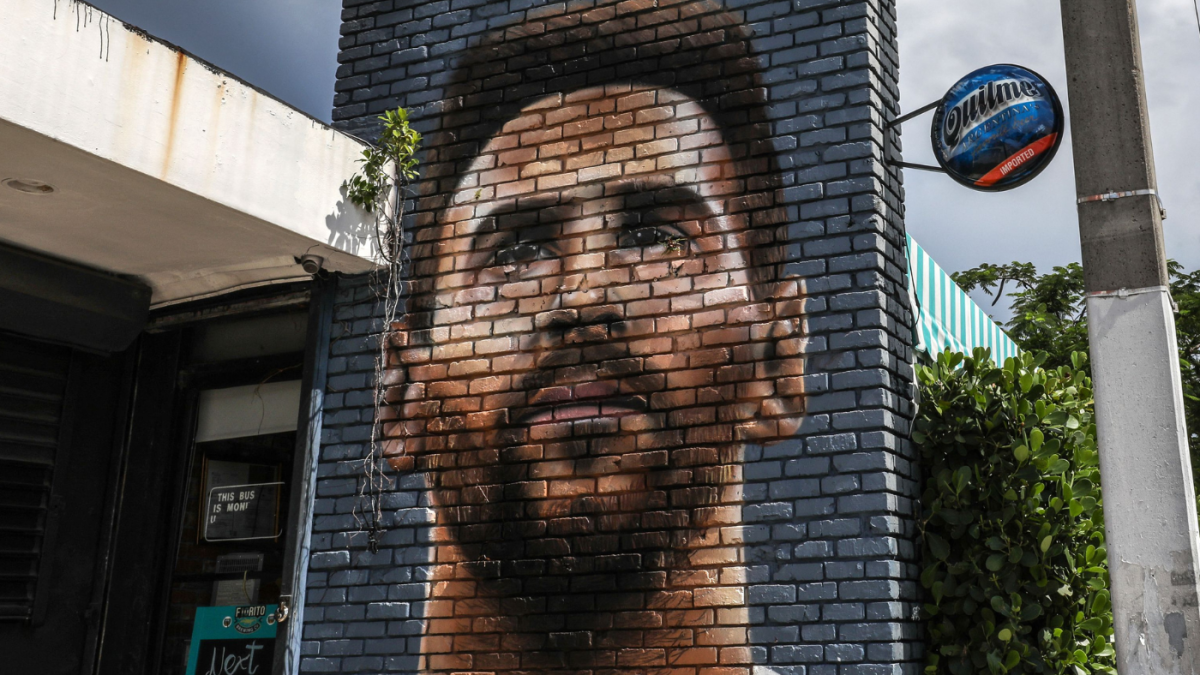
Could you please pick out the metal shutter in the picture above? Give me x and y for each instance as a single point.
(33, 386)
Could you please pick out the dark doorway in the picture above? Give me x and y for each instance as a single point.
(217, 407)
(61, 422)
(110, 465)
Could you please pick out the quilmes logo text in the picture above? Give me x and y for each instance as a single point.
(982, 103)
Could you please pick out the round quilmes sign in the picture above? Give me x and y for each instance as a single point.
(997, 127)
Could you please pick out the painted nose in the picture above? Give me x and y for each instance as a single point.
(579, 326)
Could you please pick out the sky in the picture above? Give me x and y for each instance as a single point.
(285, 47)
(289, 48)
(940, 41)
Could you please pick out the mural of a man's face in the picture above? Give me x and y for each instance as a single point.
(597, 344)
(593, 249)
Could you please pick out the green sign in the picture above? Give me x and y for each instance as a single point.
(232, 640)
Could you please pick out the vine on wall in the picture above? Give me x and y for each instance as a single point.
(380, 187)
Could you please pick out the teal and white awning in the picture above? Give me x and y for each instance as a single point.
(947, 318)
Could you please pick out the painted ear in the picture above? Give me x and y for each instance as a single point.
(398, 459)
(397, 339)
(394, 376)
(758, 430)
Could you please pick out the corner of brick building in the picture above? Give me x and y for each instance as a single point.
(828, 514)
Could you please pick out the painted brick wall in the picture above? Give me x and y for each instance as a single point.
(650, 395)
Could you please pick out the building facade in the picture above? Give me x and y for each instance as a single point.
(646, 407)
(650, 396)
(160, 325)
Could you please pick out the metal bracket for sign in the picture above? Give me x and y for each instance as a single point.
(1113, 196)
(916, 113)
(919, 167)
(901, 120)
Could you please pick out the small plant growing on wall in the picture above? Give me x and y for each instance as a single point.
(380, 188)
(673, 245)
(387, 169)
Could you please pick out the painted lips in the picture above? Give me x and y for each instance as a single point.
(613, 407)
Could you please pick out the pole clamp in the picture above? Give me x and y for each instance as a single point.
(1124, 293)
(1113, 196)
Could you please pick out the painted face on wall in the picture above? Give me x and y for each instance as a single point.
(593, 336)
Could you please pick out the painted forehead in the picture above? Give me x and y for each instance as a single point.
(594, 144)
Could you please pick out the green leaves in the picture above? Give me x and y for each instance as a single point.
(395, 150)
(1049, 313)
(1185, 291)
(1013, 542)
(387, 169)
(937, 546)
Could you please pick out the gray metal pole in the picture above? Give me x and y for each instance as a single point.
(1149, 502)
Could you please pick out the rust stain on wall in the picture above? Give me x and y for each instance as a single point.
(181, 61)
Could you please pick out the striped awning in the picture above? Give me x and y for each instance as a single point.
(947, 318)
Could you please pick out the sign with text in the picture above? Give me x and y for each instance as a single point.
(232, 640)
(241, 512)
(997, 128)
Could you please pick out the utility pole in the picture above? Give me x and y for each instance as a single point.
(1149, 502)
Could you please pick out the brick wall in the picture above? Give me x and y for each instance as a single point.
(650, 394)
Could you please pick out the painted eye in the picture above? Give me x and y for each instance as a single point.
(517, 254)
(651, 236)
(642, 236)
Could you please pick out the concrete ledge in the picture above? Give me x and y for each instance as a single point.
(163, 166)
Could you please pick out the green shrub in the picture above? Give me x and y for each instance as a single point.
(1013, 549)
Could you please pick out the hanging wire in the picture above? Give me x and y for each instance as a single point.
(381, 188)
(1196, 7)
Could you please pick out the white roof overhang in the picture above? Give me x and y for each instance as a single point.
(163, 167)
